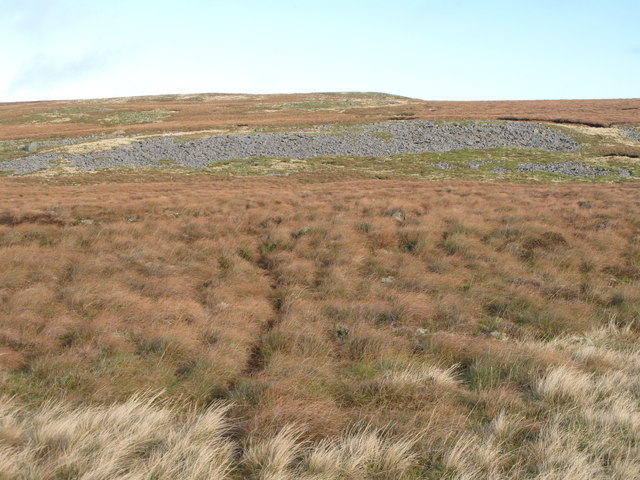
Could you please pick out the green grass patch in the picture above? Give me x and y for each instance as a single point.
(135, 118)
(386, 136)
(91, 115)
(500, 164)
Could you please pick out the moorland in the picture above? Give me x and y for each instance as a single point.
(342, 317)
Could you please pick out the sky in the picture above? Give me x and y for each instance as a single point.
(430, 49)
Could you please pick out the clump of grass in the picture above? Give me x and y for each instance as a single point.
(420, 374)
(271, 457)
(363, 227)
(411, 241)
(363, 453)
(138, 436)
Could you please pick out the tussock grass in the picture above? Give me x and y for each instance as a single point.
(136, 439)
(348, 330)
(418, 374)
(142, 438)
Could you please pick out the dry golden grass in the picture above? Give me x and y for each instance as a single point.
(356, 329)
(141, 439)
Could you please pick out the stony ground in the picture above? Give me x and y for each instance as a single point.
(374, 140)
(632, 133)
(471, 149)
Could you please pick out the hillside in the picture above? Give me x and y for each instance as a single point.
(459, 302)
(153, 114)
(361, 134)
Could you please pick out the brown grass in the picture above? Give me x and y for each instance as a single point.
(357, 329)
(38, 120)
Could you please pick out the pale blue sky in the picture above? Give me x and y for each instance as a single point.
(431, 49)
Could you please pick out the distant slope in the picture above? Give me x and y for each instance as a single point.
(154, 114)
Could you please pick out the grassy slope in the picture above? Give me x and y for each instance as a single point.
(471, 324)
(344, 320)
(139, 115)
(188, 117)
